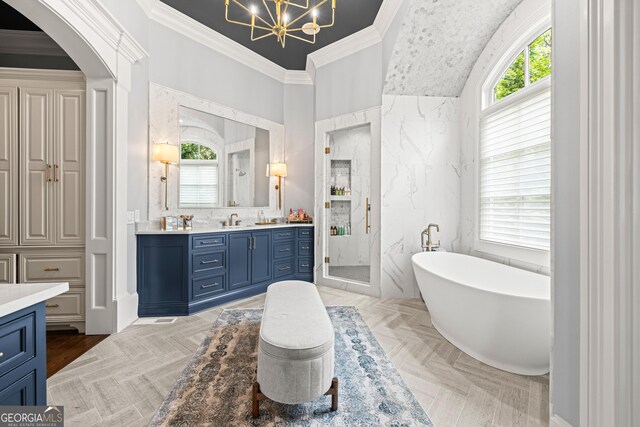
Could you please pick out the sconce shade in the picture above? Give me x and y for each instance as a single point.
(279, 169)
(166, 153)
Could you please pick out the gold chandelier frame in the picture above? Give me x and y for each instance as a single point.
(280, 26)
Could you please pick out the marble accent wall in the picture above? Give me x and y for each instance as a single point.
(420, 183)
(164, 112)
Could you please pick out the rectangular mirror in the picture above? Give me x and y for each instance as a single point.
(223, 163)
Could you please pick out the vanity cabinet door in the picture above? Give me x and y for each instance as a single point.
(239, 260)
(261, 257)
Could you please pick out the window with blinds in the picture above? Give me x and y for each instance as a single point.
(198, 184)
(515, 173)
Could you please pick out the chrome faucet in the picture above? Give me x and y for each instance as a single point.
(429, 246)
(231, 219)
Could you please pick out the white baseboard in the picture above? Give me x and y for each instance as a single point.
(558, 421)
(127, 308)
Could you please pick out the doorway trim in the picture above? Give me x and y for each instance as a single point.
(610, 224)
(105, 53)
(373, 118)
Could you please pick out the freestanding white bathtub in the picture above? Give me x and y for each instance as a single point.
(497, 314)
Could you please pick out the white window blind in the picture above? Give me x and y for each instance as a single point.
(515, 173)
(198, 184)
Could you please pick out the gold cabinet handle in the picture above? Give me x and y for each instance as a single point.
(52, 269)
(55, 173)
(52, 306)
(48, 174)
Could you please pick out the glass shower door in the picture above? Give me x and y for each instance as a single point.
(348, 217)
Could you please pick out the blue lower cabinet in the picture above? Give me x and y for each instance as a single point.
(261, 257)
(183, 274)
(240, 245)
(23, 371)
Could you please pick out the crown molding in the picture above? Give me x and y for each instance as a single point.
(349, 45)
(189, 27)
(41, 74)
(387, 13)
(295, 77)
(28, 43)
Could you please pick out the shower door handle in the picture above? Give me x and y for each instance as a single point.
(367, 208)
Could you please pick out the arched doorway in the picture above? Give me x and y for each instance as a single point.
(104, 52)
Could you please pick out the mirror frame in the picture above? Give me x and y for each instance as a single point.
(164, 126)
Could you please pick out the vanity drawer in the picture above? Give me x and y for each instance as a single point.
(283, 268)
(305, 232)
(305, 265)
(68, 307)
(209, 241)
(38, 268)
(7, 268)
(283, 250)
(305, 247)
(207, 262)
(283, 234)
(17, 341)
(207, 286)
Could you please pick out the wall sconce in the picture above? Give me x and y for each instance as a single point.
(280, 170)
(169, 155)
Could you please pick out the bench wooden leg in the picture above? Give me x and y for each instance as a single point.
(256, 397)
(333, 392)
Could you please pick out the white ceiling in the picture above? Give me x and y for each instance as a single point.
(439, 43)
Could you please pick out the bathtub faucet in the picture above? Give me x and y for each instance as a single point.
(429, 246)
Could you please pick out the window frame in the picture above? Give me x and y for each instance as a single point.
(196, 162)
(489, 105)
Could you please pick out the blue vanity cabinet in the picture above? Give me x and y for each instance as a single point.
(261, 257)
(180, 274)
(23, 370)
(239, 260)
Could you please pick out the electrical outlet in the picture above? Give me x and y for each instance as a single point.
(130, 217)
(137, 215)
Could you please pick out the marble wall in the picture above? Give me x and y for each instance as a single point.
(420, 183)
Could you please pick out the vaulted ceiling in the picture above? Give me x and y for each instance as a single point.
(351, 16)
(439, 43)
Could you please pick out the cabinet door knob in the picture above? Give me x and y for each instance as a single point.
(1, 354)
(52, 269)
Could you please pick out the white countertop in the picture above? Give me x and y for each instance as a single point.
(16, 297)
(216, 229)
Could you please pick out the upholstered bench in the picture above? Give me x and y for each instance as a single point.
(295, 349)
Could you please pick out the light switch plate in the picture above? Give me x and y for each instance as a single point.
(130, 217)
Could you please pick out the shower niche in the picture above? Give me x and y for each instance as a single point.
(340, 221)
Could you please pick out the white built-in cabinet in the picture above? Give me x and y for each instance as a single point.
(42, 185)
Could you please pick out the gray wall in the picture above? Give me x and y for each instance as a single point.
(180, 63)
(299, 146)
(37, 61)
(565, 393)
(351, 84)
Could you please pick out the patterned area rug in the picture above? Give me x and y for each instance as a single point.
(215, 388)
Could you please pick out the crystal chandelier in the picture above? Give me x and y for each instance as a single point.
(282, 19)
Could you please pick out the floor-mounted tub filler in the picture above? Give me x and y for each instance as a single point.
(497, 314)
